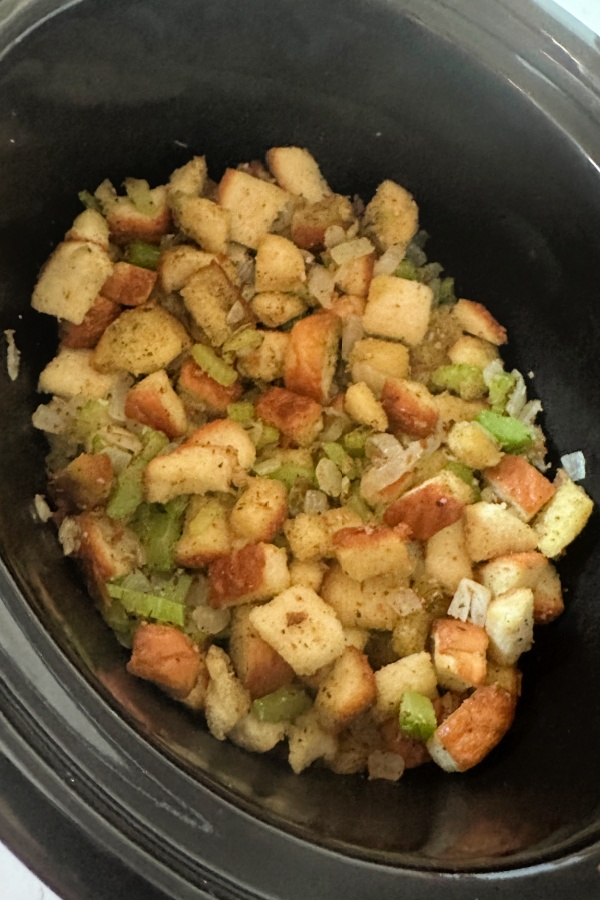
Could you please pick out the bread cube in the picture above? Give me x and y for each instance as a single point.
(365, 552)
(308, 574)
(398, 308)
(473, 730)
(197, 388)
(259, 667)
(459, 654)
(507, 677)
(509, 624)
(254, 572)
(348, 307)
(476, 319)
(526, 570)
(431, 506)
(260, 512)
(310, 535)
(310, 221)
(279, 264)
(415, 672)
(129, 285)
(447, 561)
(72, 373)
(190, 470)
(177, 264)
(90, 225)
(206, 534)
(127, 223)
(71, 279)
(267, 361)
(297, 172)
(204, 221)
(225, 433)
(86, 335)
(367, 604)
(312, 355)
(254, 205)
(410, 633)
(256, 736)
(209, 296)
(84, 483)
(166, 656)
(152, 401)
(453, 409)
(472, 351)
(491, 530)
(274, 308)
(142, 340)
(473, 445)
(309, 741)
(347, 691)
(361, 404)
(107, 548)
(188, 179)
(297, 416)
(355, 276)
(563, 518)
(518, 483)
(392, 216)
(227, 701)
(410, 407)
(301, 627)
(374, 361)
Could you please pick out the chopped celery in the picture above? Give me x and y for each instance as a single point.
(417, 716)
(138, 191)
(336, 453)
(356, 503)
(500, 390)
(460, 378)
(243, 341)
(159, 528)
(463, 472)
(268, 435)
(90, 419)
(354, 441)
(153, 442)
(284, 705)
(512, 435)
(289, 473)
(174, 588)
(89, 201)
(445, 292)
(407, 269)
(213, 365)
(128, 491)
(241, 412)
(142, 254)
(149, 606)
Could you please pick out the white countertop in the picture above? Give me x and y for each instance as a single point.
(18, 883)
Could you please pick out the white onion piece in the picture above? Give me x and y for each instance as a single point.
(119, 437)
(42, 510)
(267, 466)
(389, 261)
(69, 535)
(350, 250)
(13, 355)
(118, 396)
(518, 396)
(119, 458)
(529, 412)
(315, 502)
(380, 476)
(321, 284)
(235, 314)
(209, 620)
(470, 601)
(492, 370)
(574, 465)
(404, 601)
(334, 235)
(383, 444)
(329, 477)
(386, 765)
(53, 417)
(352, 331)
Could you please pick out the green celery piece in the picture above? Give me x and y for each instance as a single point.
(289, 473)
(417, 716)
(284, 705)
(128, 492)
(142, 254)
(213, 365)
(90, 418)
(242, 341)
(461, 470)
(241, 412)
(159, 528)
(407, 270)
(149, 606)
(153, 442)
(356, 503)
(354, 441)
(336, 453)
(460, 378)
(138, 191)
(512, 435)
(500, 390)
(117, 618)
(174, 588)
(268, 435)
(89, 201)
(445, 292)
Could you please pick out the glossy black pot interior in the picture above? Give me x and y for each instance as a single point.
(491, 125)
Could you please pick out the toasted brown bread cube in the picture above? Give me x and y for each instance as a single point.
(297, 172)
(392, 216)
(152, 401)
(409, 407)
(267, 361)
(312, 355)
(206, 534)
(254, 205)
(398, 308)
(459, 654)
(431, 506)
(310, 221)
(519, 483)
(297, 416)
(447, 561)
(310, 535)
(255, 572)
(475, 728)
(374, 361)
(204, 392)
(274, 308)
(166, 656)
(209, 296)
(73, 372)
(365, 552)
(355, 276)
(347, 306)
(142, 340)
(84, 483)
(204, 221)
(129, 285)
(261, 511)
(477, 320)
(107, 548)
(128, 224)
(347, 691)
(491, 530)
(279, 264)
(71, 279)
(259, 667)
(86, 335)
(526, 570)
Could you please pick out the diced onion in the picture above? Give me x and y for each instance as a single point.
(315, 502)
(492, 371)
(396, 464)
(470, 601)
(53, 417)
(574, 465)
(321, 284)
(386, 765)
(389, 261)
(350, 250)
(235, 314)
(329, 477)
(118, 396)
(334, 235)
(352, 331)
(404, 601)
(529, 412)
(119, 459)
(42, 510)
(518, 395)
(69, 535)
(267, 466)
(210, 621)
(13, 355)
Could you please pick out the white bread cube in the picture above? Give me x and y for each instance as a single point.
(274, 308)
(355, 275)
(310, 535)
(267, 361)
(398, 308)
(526, 570)
(297, 172)
(374, 361)
(254, 572)
(392, 216)
(476, 319)
(209, 296)
(302, 628)
(509, 624)
(410, 633)
(190, 470)
(347, 691)
(309, 741)
(507, 677)
(365, 605)
(447, 561)
(308, 574)
(517, 482)
(563, 518)
(261, 510)
(256, 736)
(453, 409)
(366, 551)
(71, 280)
(227, 701)
(153, 401)
(254, 205)
(459, 654)
(279, 264)
(72, 372)
(227, 434)
(188, 179)
(415, 673)
(177, 264)
(361, 404)
(91, 226)
(473, 445)
(472, 351)
(312, 355)
(491, 530)
(142, 340)
(206, 534)
(204, 221)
